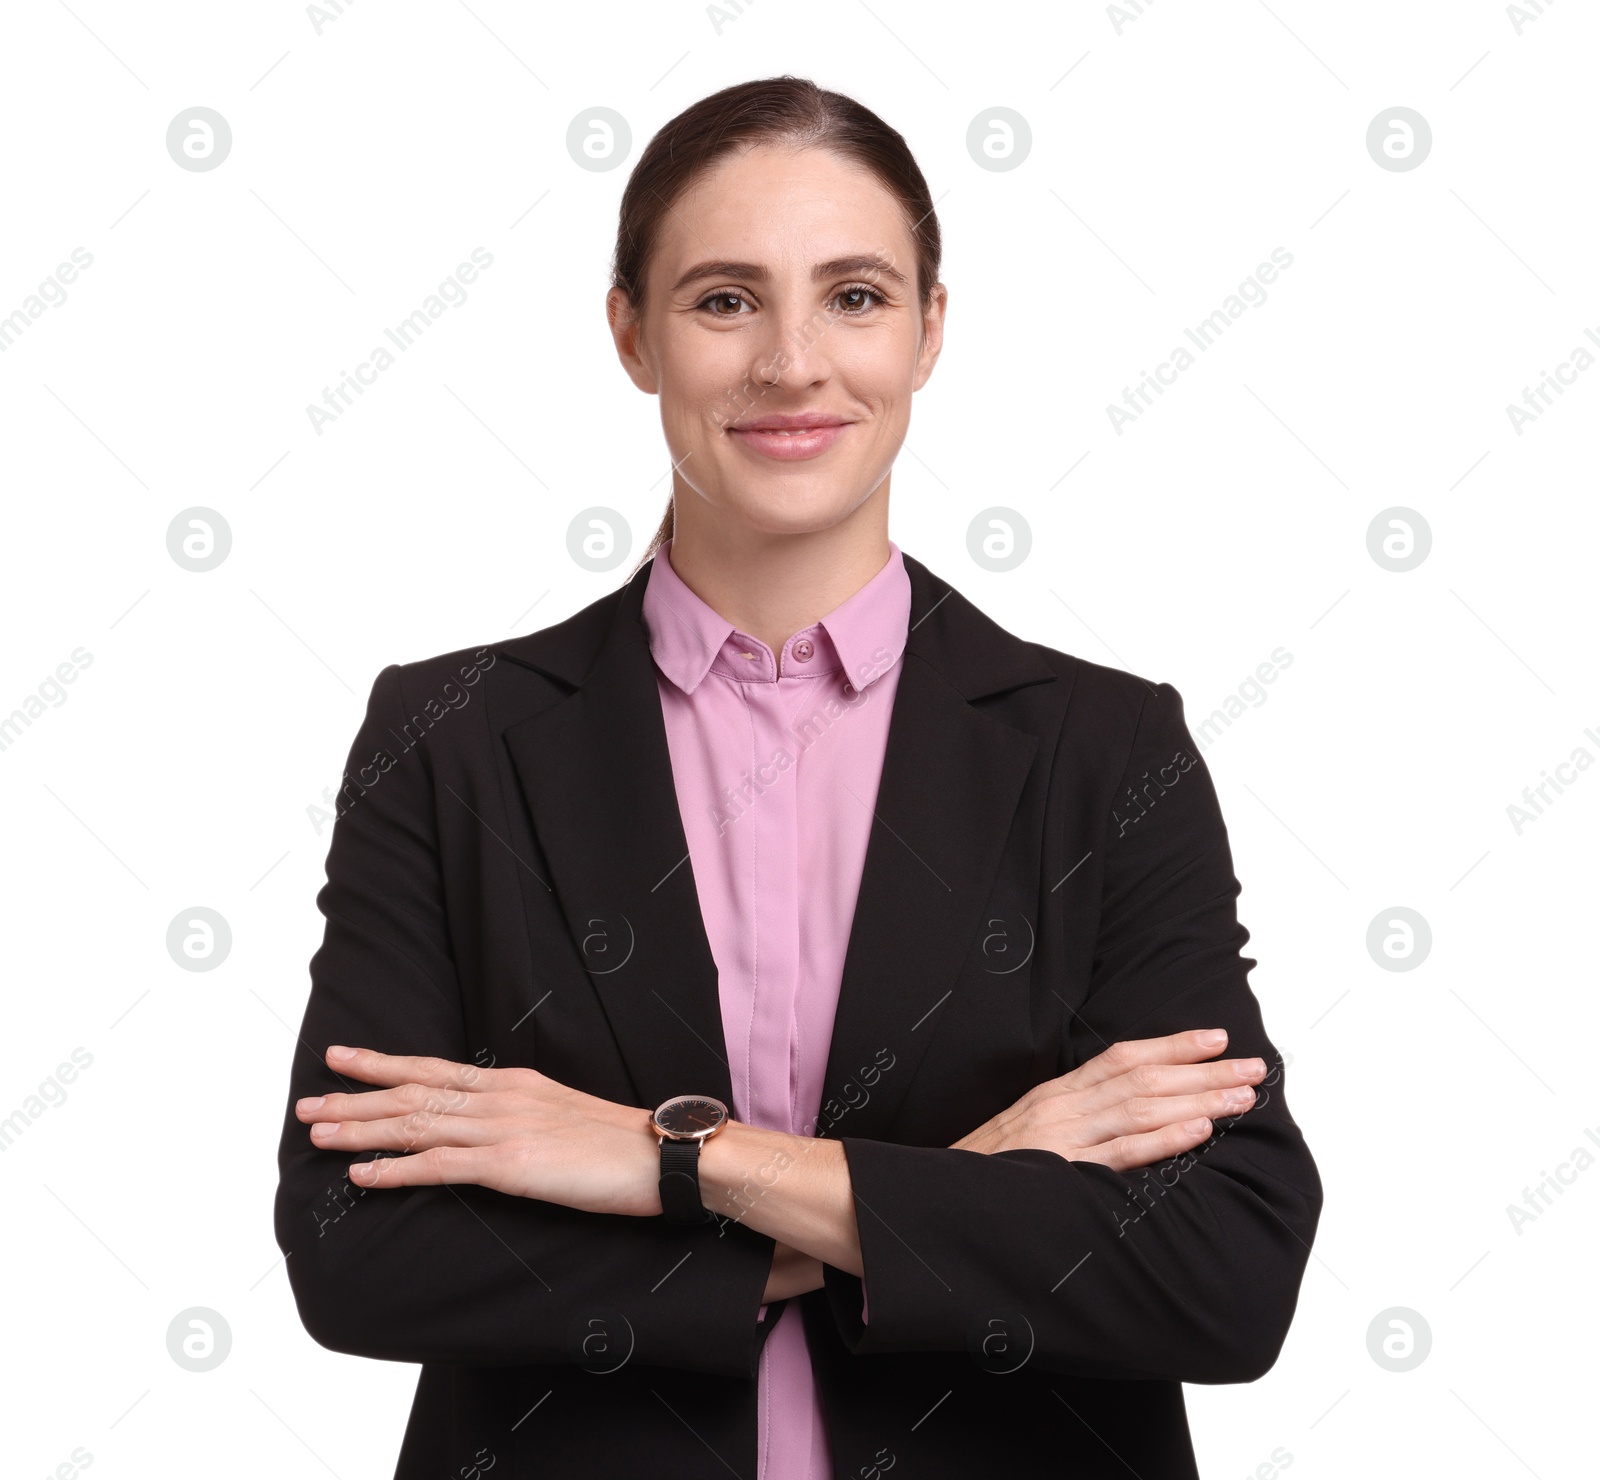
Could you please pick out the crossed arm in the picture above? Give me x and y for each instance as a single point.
(423, 1257)
(519, 1132)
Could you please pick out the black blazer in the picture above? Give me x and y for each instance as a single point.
(1050, 874)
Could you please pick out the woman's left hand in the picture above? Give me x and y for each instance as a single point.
(515, 1130)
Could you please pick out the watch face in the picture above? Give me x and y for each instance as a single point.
(691, 1115)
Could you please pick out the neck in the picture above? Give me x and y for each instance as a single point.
(774, 585)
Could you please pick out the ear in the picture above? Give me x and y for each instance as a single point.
(932, 335)
(626, 329)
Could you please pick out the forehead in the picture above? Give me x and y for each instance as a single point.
(783, 206)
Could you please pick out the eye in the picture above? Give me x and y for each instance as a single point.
(722, 296)
(866, 299)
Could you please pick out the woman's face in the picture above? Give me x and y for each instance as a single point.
(783, 333)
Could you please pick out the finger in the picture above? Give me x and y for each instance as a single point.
(372, 1067)
(1143, 1115)
(1151, 1080)
(1129, 1152)
(380, 1104)
(426, 1169)
(1175, 1048)
(418, 1132)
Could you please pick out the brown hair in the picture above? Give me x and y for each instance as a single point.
(785, 109)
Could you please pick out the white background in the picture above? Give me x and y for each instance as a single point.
(1171, 153)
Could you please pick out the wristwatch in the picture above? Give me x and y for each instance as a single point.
(683, 1123)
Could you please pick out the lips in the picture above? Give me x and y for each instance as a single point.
(790, 438)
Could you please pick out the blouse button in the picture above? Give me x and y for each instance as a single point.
(804, 651)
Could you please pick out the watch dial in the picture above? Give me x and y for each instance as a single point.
(690, 1115)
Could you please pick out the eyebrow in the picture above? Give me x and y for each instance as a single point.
(857, 266)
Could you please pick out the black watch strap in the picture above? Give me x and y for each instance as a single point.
(680, 1182)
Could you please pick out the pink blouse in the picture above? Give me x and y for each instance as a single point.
(776, 765)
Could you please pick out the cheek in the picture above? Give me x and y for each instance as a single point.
(878, 371)
(702, 391)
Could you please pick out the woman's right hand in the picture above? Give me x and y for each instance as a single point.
(1137, 1103)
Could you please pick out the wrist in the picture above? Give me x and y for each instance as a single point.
(740, 1164)
(795, 1189)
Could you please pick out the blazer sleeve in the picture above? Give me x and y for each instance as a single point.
(462, 1274)
(1188, 1270)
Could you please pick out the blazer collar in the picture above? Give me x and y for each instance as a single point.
(973, 653)
(596, 773)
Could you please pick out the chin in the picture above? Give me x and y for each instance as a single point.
(787, 515)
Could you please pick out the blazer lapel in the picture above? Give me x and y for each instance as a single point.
(952, 780)
(597, 775)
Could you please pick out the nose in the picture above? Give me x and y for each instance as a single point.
(792, 354)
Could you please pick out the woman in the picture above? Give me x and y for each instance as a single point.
(783, 890)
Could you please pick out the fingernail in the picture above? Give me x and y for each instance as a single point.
(324, 1128)
(1214, 1038)
(1237, 1099)
(1194, 1127)
(363, 1171)
(1246, 1067)
(340, 1052)
(310, 1103)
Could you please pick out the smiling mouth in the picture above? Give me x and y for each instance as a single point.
(789, 444)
